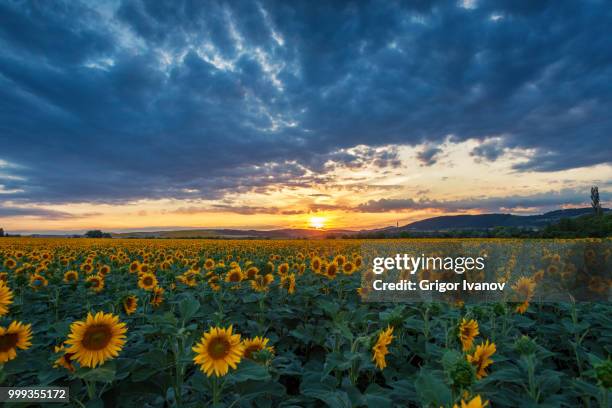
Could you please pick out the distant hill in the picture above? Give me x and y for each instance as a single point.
(237, 234)
(486, 221)
(443, 223)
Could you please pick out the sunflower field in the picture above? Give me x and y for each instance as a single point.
(265, 323)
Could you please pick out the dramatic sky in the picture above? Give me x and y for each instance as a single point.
(132, 114)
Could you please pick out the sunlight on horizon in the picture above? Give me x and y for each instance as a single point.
(317, 222)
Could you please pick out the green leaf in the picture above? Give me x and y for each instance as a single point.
(336, 360)
(250, 389)
(188, 307)
(105, 373)
(333, 399)
(511, 374)
(330, 308)
(376, 396)
(324, 389)
(95, 403)
(431, 388)
(550, 381)
(249, 370)
(414, 324)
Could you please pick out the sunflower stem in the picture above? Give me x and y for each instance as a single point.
(179, 371)
(91, 390)
(217, 388)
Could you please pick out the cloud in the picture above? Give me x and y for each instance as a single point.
(112, 102)
(429, 155)
(534, 202)
(9, 212)
(216, 208)
(489, 150)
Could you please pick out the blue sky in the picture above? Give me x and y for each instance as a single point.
(265, 111)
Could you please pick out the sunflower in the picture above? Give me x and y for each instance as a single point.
(596, 284)
(262, 283)
(475, 402)
(522, 308)
(482, 358)
(217, 351)
(86, 267)
(130, 304)
(134, 267)
(147, 281)
(158, 296)
(209, 264)
(288, 282)
(96, 283)
(315, 264)
(104, 270)
(379, 351)
(251, 272)
(97, 339)
(331, 270)
(348, 268)
(283, 269)
(38, 281)
(339, 260)
(10, 263)
(538, 276)
(213, 282)
(71, 277)
(234, 276)
(144, 268)
(255, 345)
(65, 360)
(16, 336)
(6, 298)
(4, 277)
(468, 330)
(188, 278)
(358, 261)
(525, 288)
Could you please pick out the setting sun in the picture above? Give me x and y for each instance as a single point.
(317, 222)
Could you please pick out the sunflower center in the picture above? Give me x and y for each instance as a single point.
(218, 348)
(97, 337)
(148, 281)
(248, 353)
(8, 341)
(235, 277)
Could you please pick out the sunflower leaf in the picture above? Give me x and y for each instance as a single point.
(188, 307)
(105, 373)
(249, 370)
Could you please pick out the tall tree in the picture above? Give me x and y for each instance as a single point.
(1, 232)
(595, 203)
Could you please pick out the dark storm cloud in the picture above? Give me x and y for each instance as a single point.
(489, 150)
(196, 100)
